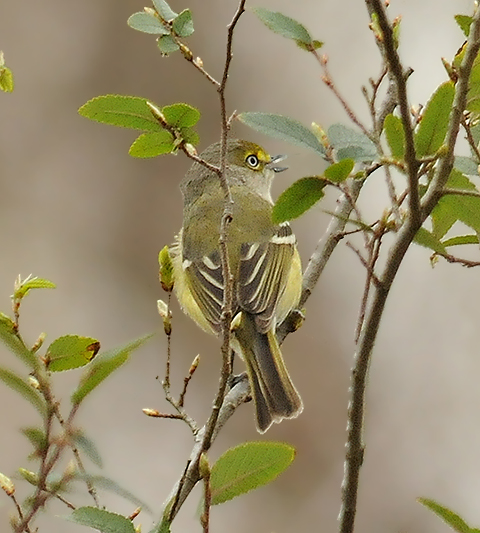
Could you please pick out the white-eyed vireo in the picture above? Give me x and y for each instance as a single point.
(265, 265)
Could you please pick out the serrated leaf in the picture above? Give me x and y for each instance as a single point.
(24, 286)
(102, 520)
(461, 240)
(112, 486)
(452, 519)
(181, 115)
(6, 80)
(152, 144)
(70, 351)
(340, 171)
(123, 111)
(87, 446)
(146, 23)
(466, 165)
(351, 144)
(14, 344)
(183, 24)
(285, 26)
(36, 436)
(395, 135)
(247, 467)
(451, 207)
(298, 198)
(164, 10)
(433, 126)
(103, 366)
(19, 385)
(167, 45)
(428, 240)
(464, 22)
(284, 128)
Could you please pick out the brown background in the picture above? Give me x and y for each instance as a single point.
(75, 208)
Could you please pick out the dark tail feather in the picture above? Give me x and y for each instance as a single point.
(274, 394)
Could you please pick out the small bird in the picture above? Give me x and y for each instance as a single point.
(264, 262)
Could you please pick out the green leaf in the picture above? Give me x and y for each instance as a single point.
(298, 198)
(23, 287)
(167, 45)
(152, 144)
(453, 207)
(37, 437)
(287, 27)
(247, 467)
(429, 240)
(70, 351)
(164, 10)
(464, 21)
(123, 111)
(14, 344)
(103, 366)
(19, 385)
(473, 94)
(433, 126)
(181, 115)
(112, 486)
(340, 171)
(147, 23)
(88, 447)
(395, 136)
(6, 80)
(351, 144)
(452, 519)
(183, 24)
(460, 240)
(189, 135)
(466, 165)
(284, 128)
(104, 521)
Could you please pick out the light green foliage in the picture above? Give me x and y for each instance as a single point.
(464, 22)
(70, 351)
(428, 240)
(21, 386)
(152, 144)
(123, 111)
(87, 446)
(352, 144)
(136, 113)
(6, 76)
(247, 467)
(395, 135)
(466, 165)
(455, 207)
(167, 45)
(23, 287)
(452, 519)
(103, 366)
(102, 520)
(164, 10)
(298, 198)
(37, 438)
(287, 27)
(461, 240)
(182, 25)
(434, 123)
(14, 344)
(340, 171)
(283, 128)
(165, 272)
(147, 23)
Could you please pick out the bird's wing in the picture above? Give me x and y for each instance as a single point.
(263, 273)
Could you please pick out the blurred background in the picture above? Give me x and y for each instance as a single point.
(77, 209)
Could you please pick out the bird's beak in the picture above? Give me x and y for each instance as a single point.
(277, 159)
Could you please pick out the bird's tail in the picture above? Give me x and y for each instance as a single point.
(274, 394)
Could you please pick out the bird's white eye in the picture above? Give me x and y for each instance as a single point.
(252, 161)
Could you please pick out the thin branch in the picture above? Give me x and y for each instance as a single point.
(398, 73)
(453, 259)
(355, 446)
(470, 139)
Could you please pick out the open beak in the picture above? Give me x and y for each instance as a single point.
(276, 159)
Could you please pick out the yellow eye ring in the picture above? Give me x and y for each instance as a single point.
(252, 161)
